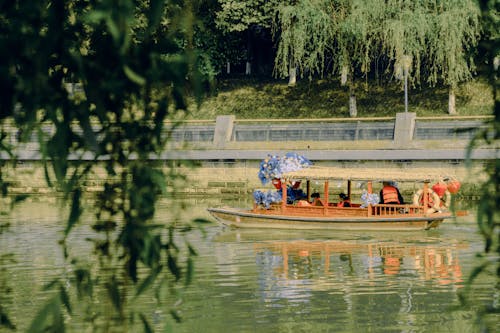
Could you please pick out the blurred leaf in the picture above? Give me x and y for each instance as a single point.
(114, 294)
(96, 16)
(65, 298)
(189, 271)
(175, 314)
(147, 282)
(113, 29)
(133, 76)
(18, 198)
(5, 320)
(155, 14)
(202, 221)
(158, 178)
(173, 266)
(476, 271)
(51, 284)
(84, 282)
(192, 250)
(147, 326)
(75, 211)
(41, 321)
(106, 225)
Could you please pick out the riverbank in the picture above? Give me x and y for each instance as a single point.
(239, 178)
(248, 98)
(228, 151)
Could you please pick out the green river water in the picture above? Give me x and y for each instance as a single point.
(274, 281)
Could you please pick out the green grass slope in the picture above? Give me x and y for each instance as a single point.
(251, 98)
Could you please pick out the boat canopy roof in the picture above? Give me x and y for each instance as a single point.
(368, 174)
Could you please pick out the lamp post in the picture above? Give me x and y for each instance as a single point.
(406, 67)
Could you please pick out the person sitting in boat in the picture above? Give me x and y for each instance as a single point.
(390, 194)
(344, 200)
(316, 201)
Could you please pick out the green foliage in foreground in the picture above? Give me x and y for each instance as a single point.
(134, 62)
(488, 214)
(259, 98)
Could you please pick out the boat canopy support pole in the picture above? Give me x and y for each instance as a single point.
(370, 191)
(283, 195)
(349, 189)
(425, 195)
(308, 190)
(325, 190)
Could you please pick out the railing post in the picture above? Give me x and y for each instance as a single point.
(404, 128)
(223, 130)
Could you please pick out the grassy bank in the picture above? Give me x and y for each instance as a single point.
(264, 98)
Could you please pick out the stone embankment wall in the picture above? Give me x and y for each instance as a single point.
(229, 151)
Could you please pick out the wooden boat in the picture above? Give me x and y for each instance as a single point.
(327, 215)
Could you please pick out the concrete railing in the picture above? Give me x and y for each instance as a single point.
(226, 132)
(402, 129)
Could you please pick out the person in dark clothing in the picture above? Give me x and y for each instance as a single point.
(390, 194)
(316, 201)
(344, 200)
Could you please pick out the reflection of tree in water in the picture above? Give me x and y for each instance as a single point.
(5, 291)
(6, 259)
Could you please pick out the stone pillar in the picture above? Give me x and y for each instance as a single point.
(404, 128)
(223, 130)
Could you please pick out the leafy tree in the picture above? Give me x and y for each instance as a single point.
(416, 37)
(454, 33)
(135, 63)
(406, 29)
(249, 16)
(206, 37)
(357, 36)
(304, 31)
(488, 213)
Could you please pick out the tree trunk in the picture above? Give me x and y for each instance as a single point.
(292, 79)
(228, 67)
(451, 101)
(353, 110)
(248, 68)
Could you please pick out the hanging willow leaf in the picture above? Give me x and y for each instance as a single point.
(18, 198)
(133, 76)
(173, 266)
(147, 282)
(145, 323)
(189, 271)
(41, 322)
(65, 298)
(202, 221)
(155, 14)
(5, 320)
(114, 294)
(175, 314)
(133, 65)
(75, 212)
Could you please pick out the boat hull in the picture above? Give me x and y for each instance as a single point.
(242, 218)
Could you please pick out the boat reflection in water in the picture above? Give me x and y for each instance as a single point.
(295, 269)
(429, 262)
